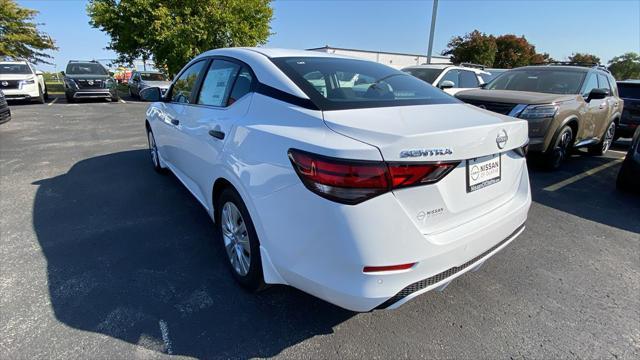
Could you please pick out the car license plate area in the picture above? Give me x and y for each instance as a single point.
(483, 171)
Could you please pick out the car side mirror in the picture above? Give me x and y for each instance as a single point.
(483, 86)
(151, 94)
(62, 73)
(111, 73)
(39, 73)
(447, 84)
(597, 94)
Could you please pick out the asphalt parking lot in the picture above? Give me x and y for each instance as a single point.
(100, 257)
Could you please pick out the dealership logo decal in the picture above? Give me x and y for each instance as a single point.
(425, 152)
(501, 139)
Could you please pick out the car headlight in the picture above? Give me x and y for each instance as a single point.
(71, 83)
(27, 82)
(539, 111)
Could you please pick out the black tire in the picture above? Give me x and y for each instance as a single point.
(603, 146)
(560, 149)
(253, 280)
(131, 94)
(40, 98)
(115, 98)
(69, 98)
(153, 149)
(46, 93)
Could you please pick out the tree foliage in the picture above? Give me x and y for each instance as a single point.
(626, 66)
(474, 47)
(584, 58)
(172, 32)
(514, 51)
(19, 34)
(505, 51)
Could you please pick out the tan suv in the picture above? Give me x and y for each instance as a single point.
(567, 107)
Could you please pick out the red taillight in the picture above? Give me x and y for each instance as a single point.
(388, 268)
(354, 181)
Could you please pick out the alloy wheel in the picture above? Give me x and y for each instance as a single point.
(153, 149)
(562, 148)
(236, 238)
(608, 137)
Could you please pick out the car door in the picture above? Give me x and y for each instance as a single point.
(606, 108)
(593, 108)
(224, 97)
(168, 135)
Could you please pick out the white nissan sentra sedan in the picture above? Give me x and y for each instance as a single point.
(344, 178)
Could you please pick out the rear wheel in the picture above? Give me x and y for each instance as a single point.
(603, 146)
(560, 149)
(240, 240)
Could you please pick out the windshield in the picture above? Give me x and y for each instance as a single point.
(492, 74)
(14, 69)
(428, 75)
(542, 81)
(153, 77)
(86, 69)
(335, 83)
(629, 91)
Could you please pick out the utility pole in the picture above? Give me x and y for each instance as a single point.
(433, 28)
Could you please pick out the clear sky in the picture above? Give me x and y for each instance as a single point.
(605, 28)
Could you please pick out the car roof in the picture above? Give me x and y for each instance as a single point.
(630, 81)
(446, 66)
(15, 62)
(278, 53)
(556, 68)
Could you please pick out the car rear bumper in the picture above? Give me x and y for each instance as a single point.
(321, 248)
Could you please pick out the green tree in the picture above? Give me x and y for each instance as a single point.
(173, 32)
(514, 51)
(19, 34)
(474, 47)
(584, 58)
(625, 66)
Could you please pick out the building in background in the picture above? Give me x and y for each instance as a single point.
(396, 60)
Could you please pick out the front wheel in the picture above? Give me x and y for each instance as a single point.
(153, 150)
(603, 146)
(40, 98)
(560, 149)
(240, 240)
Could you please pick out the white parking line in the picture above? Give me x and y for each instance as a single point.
(581, 176)
(164, 329)
(52, 101)
(122, 101)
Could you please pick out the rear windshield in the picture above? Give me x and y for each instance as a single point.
(14, 69)
(542, 81)
(629, 91)
(153, 77)
(428, 75)
(86, 69)
(335, 84)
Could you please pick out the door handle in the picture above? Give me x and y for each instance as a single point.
(175, 122)
(217, 134)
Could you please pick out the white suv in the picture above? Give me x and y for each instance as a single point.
(365, 191)
(450, 78)
(19, 80)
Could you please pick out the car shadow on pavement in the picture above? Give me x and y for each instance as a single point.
(132, 255)
(593, 197)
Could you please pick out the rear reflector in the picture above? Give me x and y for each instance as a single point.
(353, 181)
(388, 268)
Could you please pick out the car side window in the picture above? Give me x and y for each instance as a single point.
(218, 82)
(451, 75)
(589, 84)
(242, 86)
(468, 79)
(185, 84)
(603, 83)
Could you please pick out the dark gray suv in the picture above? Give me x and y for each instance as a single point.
(88, 80)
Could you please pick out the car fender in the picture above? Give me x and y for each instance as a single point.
(567, 119)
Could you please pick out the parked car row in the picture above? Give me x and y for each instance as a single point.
(143, 79)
